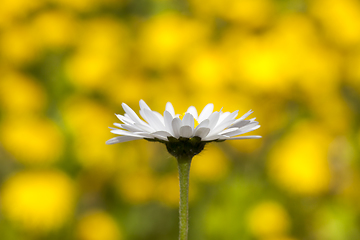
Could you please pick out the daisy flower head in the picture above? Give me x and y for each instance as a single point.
(182, 136)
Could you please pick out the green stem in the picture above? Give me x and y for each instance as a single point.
(184, 172)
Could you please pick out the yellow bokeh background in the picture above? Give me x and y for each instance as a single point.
(67, 66)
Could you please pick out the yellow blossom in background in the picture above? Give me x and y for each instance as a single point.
(82, 115)
(140, 153)
(21, 94)
(259, 63)
(165, 38)
(127, 89)
(84, 5)
(279, 238)
(102, 46)
(18, 45)
(353, 70)
(32, 140)
(332, 111)
(268, 219)
(167, 190)
(309, 64)
(38, 200)
(206, 68)
(210, 165)
(299, 162)
(137, 187)
(98, 225)
(135, 181)
(54, 28)
(66, 66)
(12, 10)
(252, 13)
(345, 30)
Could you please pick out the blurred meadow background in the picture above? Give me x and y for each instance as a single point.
(67, 65)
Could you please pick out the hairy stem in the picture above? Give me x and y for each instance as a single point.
(184, 172)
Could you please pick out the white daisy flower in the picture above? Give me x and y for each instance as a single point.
(207, 127)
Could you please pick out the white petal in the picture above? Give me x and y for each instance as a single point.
(169, 107)
(186, 131)
(223, 116)
(213, 119)
(153, 120)
(144, 127)
(124, 119)
(143, 105)
(215, 137)
(245, 137)
(123, 132)
(176, 125)
(162, 133)
(188, 120)
(228, 117)
(122, 139)
(131, 113)
(192, 110)
(167, 120)
(159, 116)
(248, 128)
(240, 123)
(119, 125)
(229, 130)
(142, 114)
(202, 132)
(131, 128)
(206, 112)
(243, 116)
(204, 123)
(227, 121)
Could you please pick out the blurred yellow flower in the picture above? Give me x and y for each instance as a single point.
(80, 115)
(12, 10)
(101, 49)
(54, 28)
(252, 13)
(85, 5)
(332, 110)
(32, 140)
(18, 45)
(299, 162)
(21, 94)
(352, 69)
(88, 70)
(98, 225)
(137, 187)
(345, 30)
(38, 200)
(310, 65)
(259, 63)
(127, 89)
(206, 68)
(278, 238)
(166, 38)
(167, 190)
(268, 219)
(210, 165)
